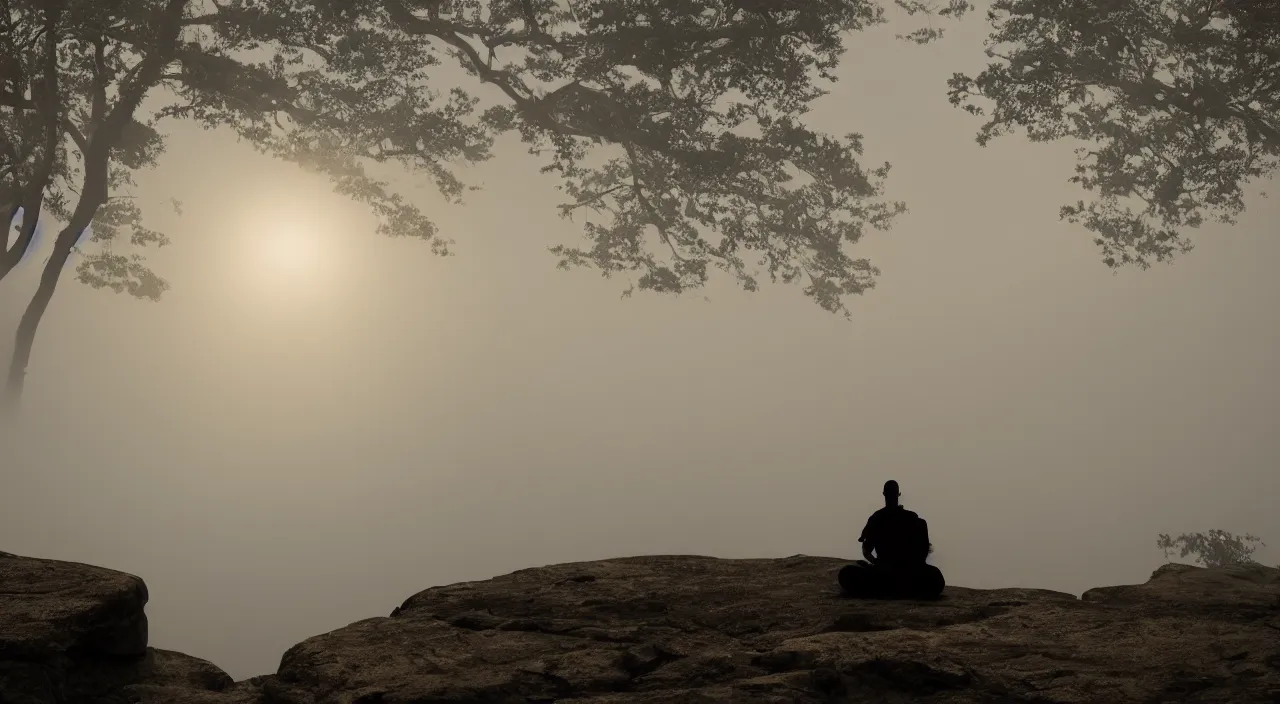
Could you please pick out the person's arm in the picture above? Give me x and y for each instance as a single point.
(868, 544)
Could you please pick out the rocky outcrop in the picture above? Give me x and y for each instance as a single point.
(669, 629)
(72, 633)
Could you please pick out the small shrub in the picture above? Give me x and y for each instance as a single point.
(1217, 548)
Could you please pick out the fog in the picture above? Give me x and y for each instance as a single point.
(286, 444)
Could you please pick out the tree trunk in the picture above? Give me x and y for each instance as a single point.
(97, 181)
(12, 256)
(92, 196)
(25, 337)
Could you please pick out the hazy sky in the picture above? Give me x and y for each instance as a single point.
(284, 446)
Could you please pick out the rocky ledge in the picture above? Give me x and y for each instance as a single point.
(669, 629)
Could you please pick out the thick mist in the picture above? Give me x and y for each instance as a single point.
(279, 453)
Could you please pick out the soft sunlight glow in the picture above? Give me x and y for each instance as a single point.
(286, 248)
(292, 251)
(289, 253)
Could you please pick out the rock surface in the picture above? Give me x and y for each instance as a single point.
(73, 633)
(667, 629)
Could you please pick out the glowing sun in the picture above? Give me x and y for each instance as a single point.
(289, 248)
(288, 252)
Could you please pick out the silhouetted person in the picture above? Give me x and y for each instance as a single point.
(893, 535)
(895, 543)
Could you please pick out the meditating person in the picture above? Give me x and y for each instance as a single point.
(895, 543)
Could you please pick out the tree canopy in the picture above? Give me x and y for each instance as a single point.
(696, 107)
(676, 126)
(1177, 102)
(1217, 548)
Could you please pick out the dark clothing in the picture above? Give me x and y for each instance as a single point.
(898, 536)
(900, 541)
(865, 581)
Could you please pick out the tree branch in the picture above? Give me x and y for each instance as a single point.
(99, 88)
(18, 103)
(638, 189)
(448, 32)
(593, 198)
(141, 78)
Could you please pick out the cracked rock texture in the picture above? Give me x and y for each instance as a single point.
(667, 629)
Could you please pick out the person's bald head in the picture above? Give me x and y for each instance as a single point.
(891, 493)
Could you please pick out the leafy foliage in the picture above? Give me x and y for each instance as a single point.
(1180, 100)
(1217, 548)
(676, 124)
(77, 67)
(954, 9)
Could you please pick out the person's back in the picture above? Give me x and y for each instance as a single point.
(893, 535)
(899, 537)
(895, 543)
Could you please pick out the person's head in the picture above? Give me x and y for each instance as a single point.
(891, 493)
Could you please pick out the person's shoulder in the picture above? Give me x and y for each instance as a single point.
(903, 514)
(910, 516)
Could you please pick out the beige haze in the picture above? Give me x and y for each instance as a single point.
(280, 458)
